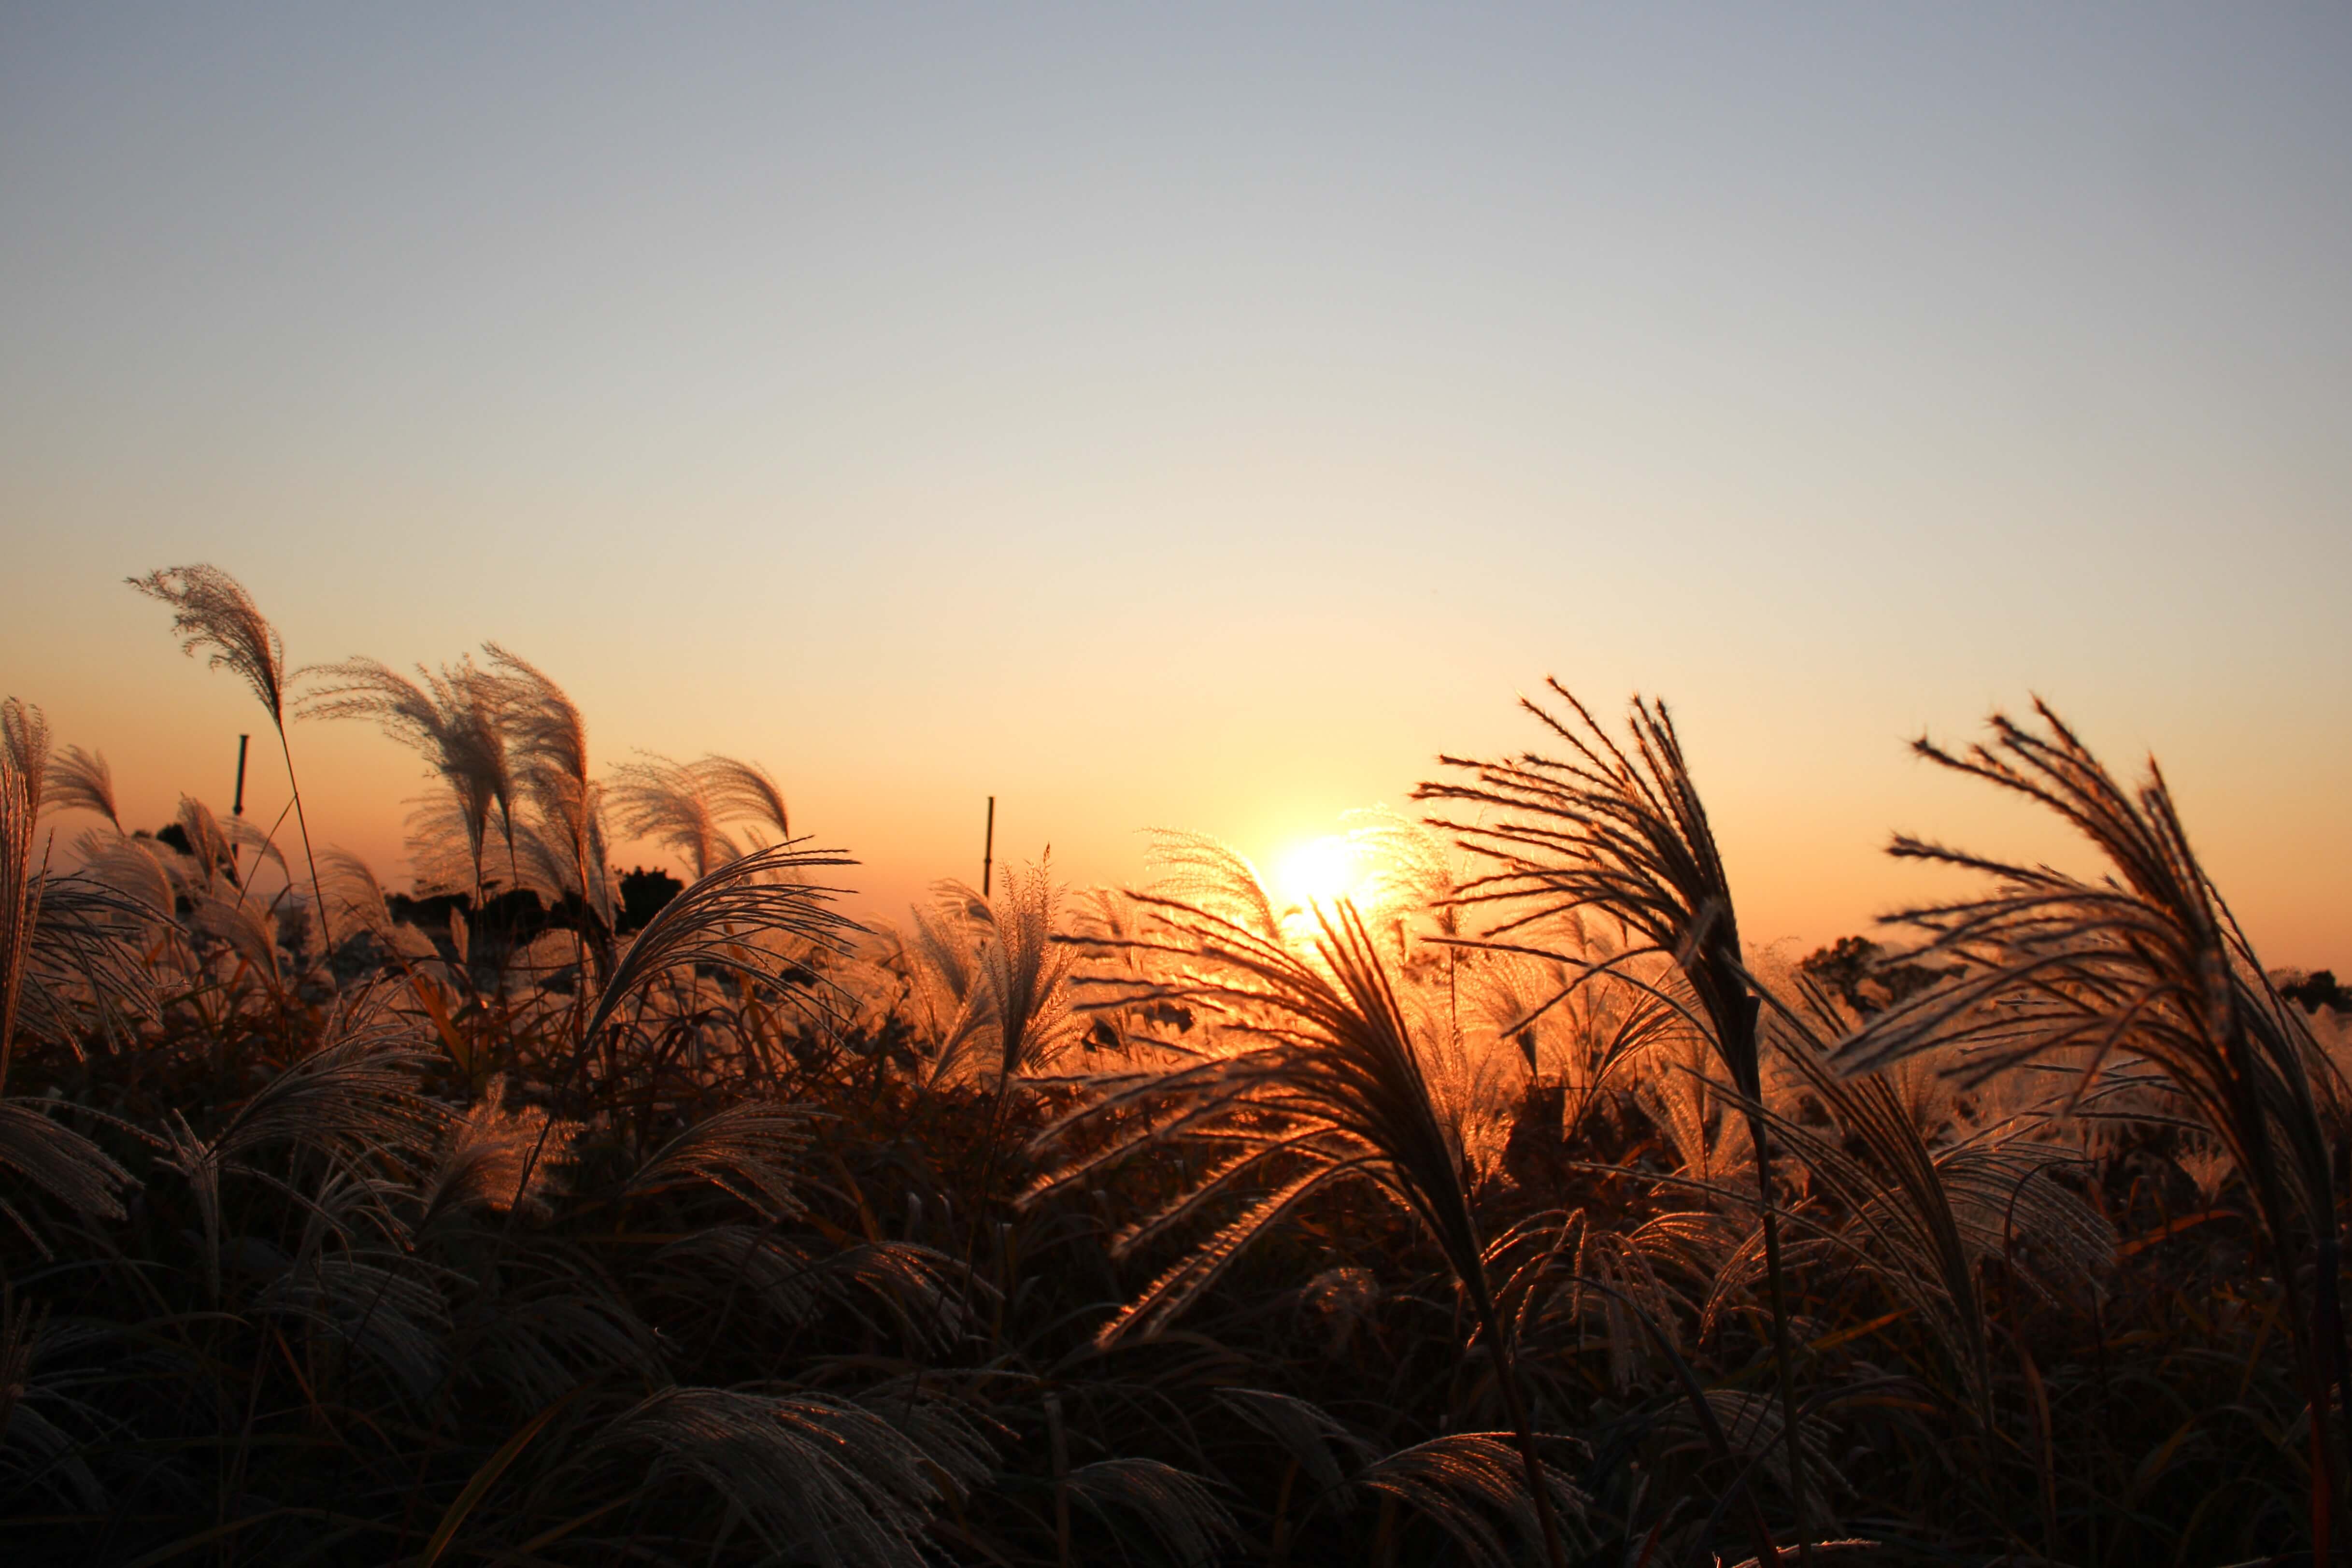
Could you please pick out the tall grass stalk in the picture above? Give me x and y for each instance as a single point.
(2146, 963)
(1317, 1081)
(1627, 834)
(24, 753)
(456, 719)
(211, 609)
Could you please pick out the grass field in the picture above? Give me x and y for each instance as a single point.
(1492, 1204)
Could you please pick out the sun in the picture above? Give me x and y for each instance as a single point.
(1321, 871)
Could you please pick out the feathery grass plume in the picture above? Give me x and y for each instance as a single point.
(2146, 963)
(563, 840)
(247, 929)
(1749, 1427)
(1571, 1270)
(1310, 1435)
(942, 965)
(211, 610)
(1459, 1481)
(132, 864)
(1321, 1082)
(747, 1150)
(358, 900)
(87, 971)
(24, 755)
(1627, 834)
(745, 791)
(1001, 958)
(62, 939)
(454, 720)
(670, 804)
(818, 1479)
(719, 920)
(1175, 1508)
(794, 1280)
(1931, 1216)
(1576, 1040)
(80, 781)
(486, 1160)
(354, 1098)
(368, 1303)
(60, 1162)
(720, 923)
(34, 1450)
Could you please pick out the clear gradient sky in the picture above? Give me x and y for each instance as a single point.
(1202, 417)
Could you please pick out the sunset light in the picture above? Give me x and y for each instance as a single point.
(1028, 786)
(1322, 871)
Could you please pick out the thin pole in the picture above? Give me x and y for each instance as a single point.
(988, 849)
(242, 743)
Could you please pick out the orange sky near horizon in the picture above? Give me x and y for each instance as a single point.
(1204, 423)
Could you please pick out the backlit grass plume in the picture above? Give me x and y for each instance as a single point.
(1626, 833)
(1317, 1081)
(24, 753)
(684, 806)
(211, 610)
(563, 839)
(998, 957)
(79, 779)
(454, 720)
(2146, 963)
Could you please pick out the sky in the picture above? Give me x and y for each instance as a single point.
(1205, 417)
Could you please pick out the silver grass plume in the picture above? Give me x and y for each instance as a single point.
(211, 610)
(2147, 963)
(1318, 1080)
(1929, 1216)
(64, 940)
(87, 971)
(746, 792)
(454, 720)
(60, 1162)
(1625, 832)
(1175, 1508)
(941, 963)
(358, 900)
(1321, 1082)
(683, 806)
(747, 1149)
(37, 1413)
(1011, 972)
(1462, 1482)
(565, 836)
(80, 781)
(24, 755)
(669, 803)
(817, 1479)
(487, 1159)
(216, 848)
(720, 923)
(354, 1098)
(794, 1283)
(246, 930)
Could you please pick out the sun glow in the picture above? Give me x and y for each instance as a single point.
(1322, 871)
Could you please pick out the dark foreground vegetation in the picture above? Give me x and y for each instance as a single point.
(1509, 1211)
